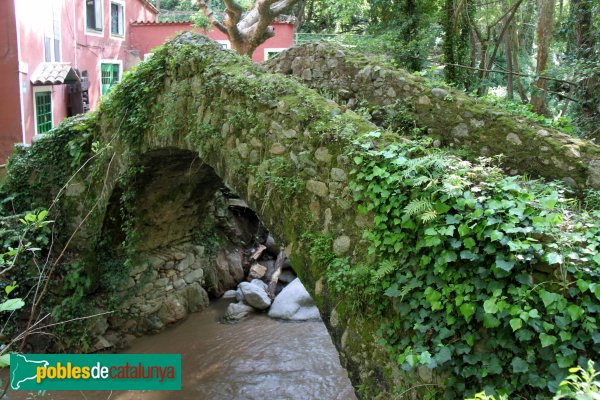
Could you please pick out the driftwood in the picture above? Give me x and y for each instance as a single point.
(258, 252)
(276, 273)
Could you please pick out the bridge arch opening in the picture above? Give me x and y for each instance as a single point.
(194, 240)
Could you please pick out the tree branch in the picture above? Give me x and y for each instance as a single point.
(513, 10)
(209, 15)
(512, 73)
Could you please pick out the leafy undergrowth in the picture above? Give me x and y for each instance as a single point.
(488, 279)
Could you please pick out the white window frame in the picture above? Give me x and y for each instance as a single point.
(53, 5)
(93, 32)
(226, 43)
(273, 50)
(112, 35)
(45, 88)
(105, 61)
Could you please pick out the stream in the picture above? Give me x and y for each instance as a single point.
(259, 358)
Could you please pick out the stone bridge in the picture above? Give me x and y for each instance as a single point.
(195, 118)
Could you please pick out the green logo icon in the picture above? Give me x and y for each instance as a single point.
(95, 371)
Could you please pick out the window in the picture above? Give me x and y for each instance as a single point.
(270, 53)
(52, 32)
(225, 44)
(93, 12)
(110, 75)
(117, 15)
(43, 111)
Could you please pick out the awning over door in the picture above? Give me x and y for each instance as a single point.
(54, 73)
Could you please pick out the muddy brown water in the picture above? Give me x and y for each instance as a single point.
(256, 359)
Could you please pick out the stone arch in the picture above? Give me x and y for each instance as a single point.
(279, 145)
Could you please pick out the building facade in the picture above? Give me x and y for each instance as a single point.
(146, 35)
(58, 57)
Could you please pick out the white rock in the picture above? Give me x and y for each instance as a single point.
(255, 294)
(230, 294)
(294, 304)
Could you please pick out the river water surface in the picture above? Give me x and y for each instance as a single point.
(256, 359)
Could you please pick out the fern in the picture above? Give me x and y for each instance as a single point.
(429, 216)
(385, 268)
(418, 207)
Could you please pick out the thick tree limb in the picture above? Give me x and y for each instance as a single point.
(209, 15)
(247, 31)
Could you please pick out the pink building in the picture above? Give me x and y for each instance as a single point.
(58, 57)
(146, 35)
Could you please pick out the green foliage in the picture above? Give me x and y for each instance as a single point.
(485, 277)
(561, 123)
(277, 177)
(200, 21)
(581, 384)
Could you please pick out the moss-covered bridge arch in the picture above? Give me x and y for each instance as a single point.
(277, 144)
(193, 117)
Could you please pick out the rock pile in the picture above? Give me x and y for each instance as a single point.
(266, 279)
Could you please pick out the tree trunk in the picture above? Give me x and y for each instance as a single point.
(450, 71)
(526, 30)
(482, 90)
(509, 66)
(300, 17)
(245, 28)
(516, 68)
(589, 86)
(544, 33)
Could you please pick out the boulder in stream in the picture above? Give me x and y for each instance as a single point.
(294, 304)
(237, 311)
(255, 294)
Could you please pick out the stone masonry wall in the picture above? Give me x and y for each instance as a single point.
(451, 117)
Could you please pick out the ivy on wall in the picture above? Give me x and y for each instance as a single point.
(488, 279)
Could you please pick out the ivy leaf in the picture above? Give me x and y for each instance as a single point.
(393, 291)
(519, 365)
(575, 312)
(489, 321)
(584, 285)
(469, 243)
(596, 258)
(548, 297)
(425, 358)
(516, 323)
(496, 235)
(4, 360)
(549, 201)
(443, 355)
(547, 340)
(503, 264)
(12, 304)
(490, 306)
(554, 258)
(467, 310)
(565, 361)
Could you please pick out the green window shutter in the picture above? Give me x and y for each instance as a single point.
(109, 76)
(43, 111)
